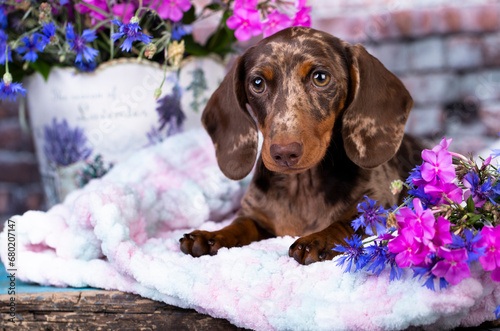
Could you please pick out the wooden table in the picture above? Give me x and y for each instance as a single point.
(101, 310)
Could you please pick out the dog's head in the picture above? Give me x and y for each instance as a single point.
(300, 83)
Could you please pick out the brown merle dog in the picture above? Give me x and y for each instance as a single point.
(332, 117)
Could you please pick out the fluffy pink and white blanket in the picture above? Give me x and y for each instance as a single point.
(122, 232)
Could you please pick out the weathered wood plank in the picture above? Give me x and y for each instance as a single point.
(101, 310)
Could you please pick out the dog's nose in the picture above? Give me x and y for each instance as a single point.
(286, 155)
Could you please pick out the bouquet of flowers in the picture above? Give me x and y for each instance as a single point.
(449, 221)
(36, 35)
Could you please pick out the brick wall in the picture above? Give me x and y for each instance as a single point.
(20, 187)
(447, 53)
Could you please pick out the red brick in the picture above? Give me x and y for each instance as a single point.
(9, 109)
(448, 19)
(18, 167)
(491, 49)
(464, 52)
(480, 18)
(5, 199)
(490, 117)
(349, 28)
(427, 89)
(13, 138)
(34, 198)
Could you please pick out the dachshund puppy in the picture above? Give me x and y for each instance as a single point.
(332, 117)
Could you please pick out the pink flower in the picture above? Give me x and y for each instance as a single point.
(454, 267)
(245, 22)
(444, 144)
(275, 22)
(490, 238)
(420, 222)
(101, 4)
(442, 190)
(438, 166)
(170, 9)
(442, 236)
(249, 4)
(409, 251)
(125, 10)
(302, 17)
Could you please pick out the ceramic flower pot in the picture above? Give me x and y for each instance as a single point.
(85, 122)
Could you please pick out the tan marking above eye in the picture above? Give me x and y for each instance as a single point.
(320, 78)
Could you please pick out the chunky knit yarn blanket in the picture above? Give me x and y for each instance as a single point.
(122, 232)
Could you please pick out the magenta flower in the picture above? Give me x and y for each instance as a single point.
(409, 251)
(443, 144)
(490, 238)
(302, 17)
(442, 236)
(250, 4)
(125, 10)
(439, 191)
(275, 22)
(170, 9)
(420, 222)
(454, 267)
(245, 22)
(101, 4)
(439, 166)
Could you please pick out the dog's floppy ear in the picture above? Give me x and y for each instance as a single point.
(373, 123)
(231, 127)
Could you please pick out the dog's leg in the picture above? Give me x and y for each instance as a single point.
(242, 231)
(318, 246)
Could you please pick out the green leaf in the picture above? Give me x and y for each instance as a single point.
(42, 67)
(214, 6)
(194, 48)
(189, 16)
(471, 206)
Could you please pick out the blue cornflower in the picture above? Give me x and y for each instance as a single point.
(79, 44)
(4, 24)
(32, 45)
(180, 31)
(378, 255)
(496, 153)
(85, 66)
(480, 192)
(396, 271)
(63, 2)
(354, 252)
(497, 312)
(11, 90)
(3, 46)
(372, 217)
(469, 244)
(131, 31)
(426, 271)
(425, 198)
(48, 32)
(415, 177)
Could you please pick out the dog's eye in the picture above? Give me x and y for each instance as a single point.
(258, 85)
(320, 78)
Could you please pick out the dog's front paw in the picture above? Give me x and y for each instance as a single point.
(312, 248)
(198, 243)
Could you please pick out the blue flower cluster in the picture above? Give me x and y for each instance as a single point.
(30, 46)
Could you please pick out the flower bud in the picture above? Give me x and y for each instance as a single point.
(150, 51)
(45, 8)
(7, 78)
(157, 93)
(396, 186)
(134, 19)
